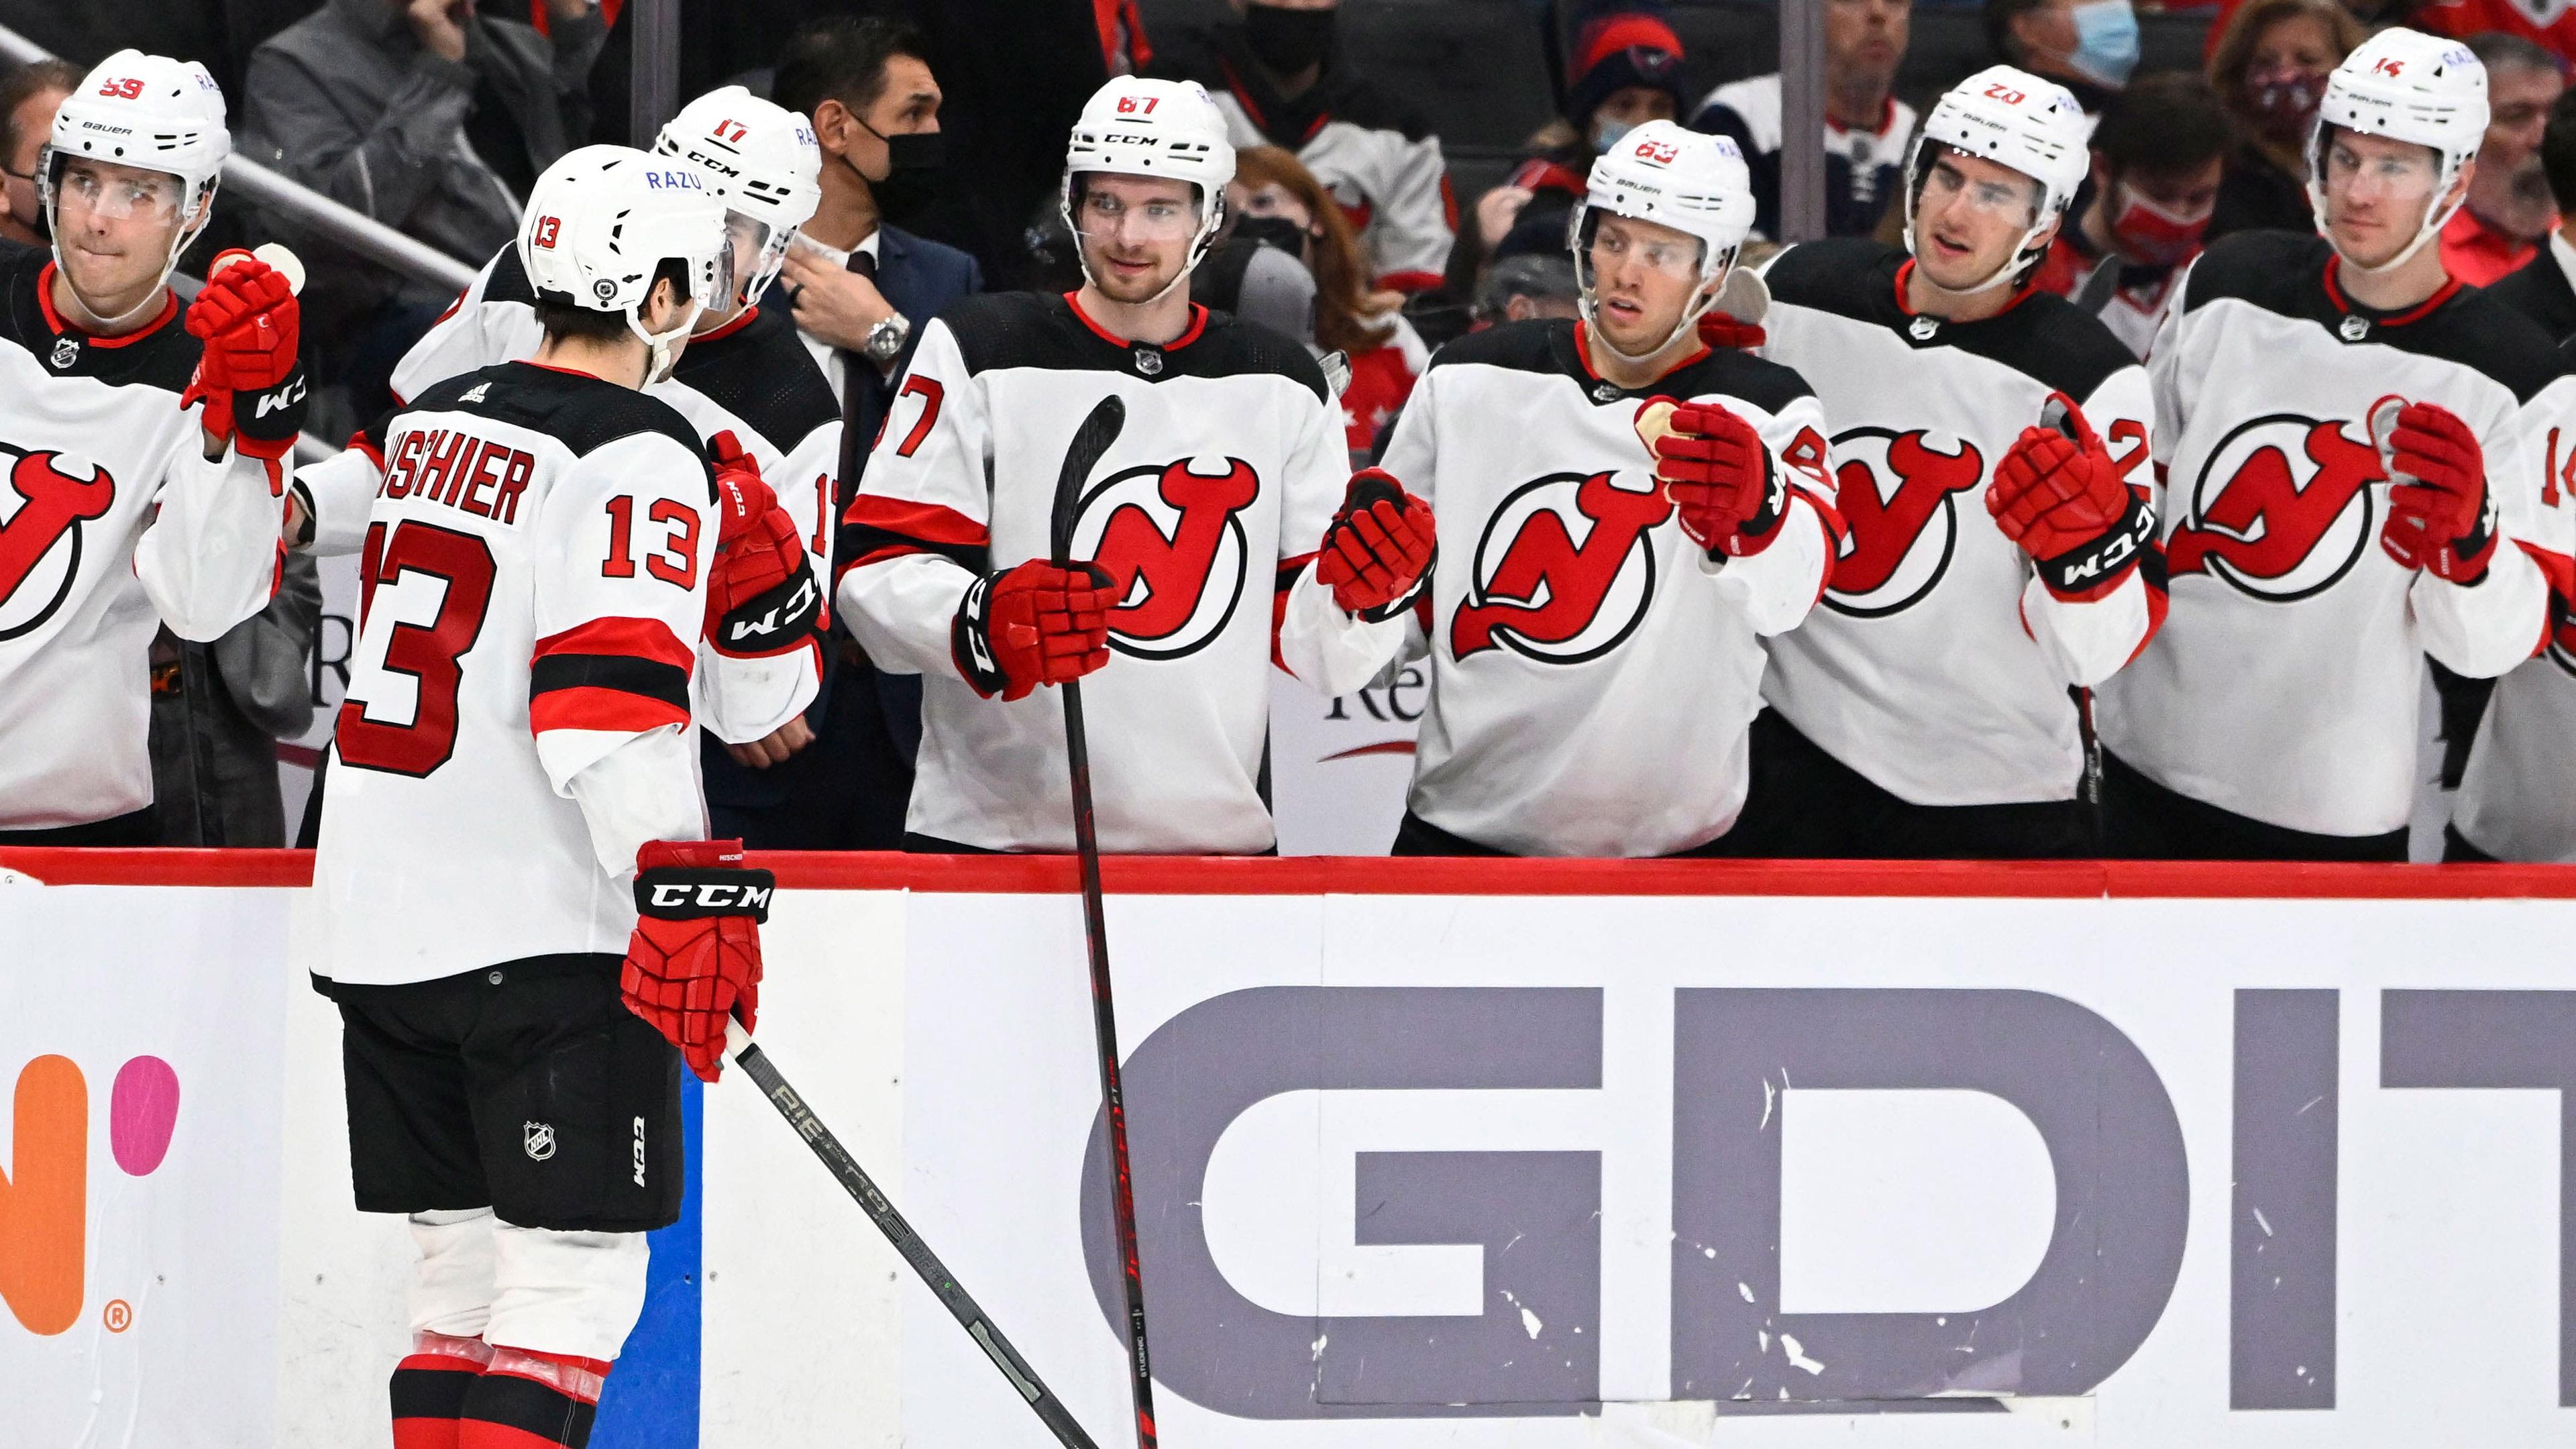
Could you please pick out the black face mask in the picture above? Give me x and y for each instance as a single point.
(914, 163)
(1287, 41)
(1274, 231)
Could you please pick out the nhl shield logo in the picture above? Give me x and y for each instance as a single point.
(1149, 361)
(66, 352)
(539, 1139)
(1922, 328)
(2353, 328)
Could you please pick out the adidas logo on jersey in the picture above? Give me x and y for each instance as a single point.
(476, 393)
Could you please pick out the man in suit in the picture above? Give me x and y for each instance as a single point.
(860, 290)
(2544, 288)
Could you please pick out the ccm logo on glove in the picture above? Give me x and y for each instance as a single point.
(683, 900)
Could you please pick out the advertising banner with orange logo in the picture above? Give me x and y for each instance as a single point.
(141, 1045)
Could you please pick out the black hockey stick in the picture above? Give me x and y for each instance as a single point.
(863, 1190)
(1090, 441)
(2053, 416)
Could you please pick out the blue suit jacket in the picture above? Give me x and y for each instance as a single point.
(920, 277)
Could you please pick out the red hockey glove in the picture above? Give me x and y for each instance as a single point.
(2440, 516)
(1378, 549)
(2063, 501)
(1719, 476)
(1721, 331)
(695, 956)
(247, 375)
(1031, 625)
(762, 598)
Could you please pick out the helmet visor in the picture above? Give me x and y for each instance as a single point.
(754, 251)
(1605, 245)
(2005, 196)
(1104, 216)
(83, 188)
(2373, 168)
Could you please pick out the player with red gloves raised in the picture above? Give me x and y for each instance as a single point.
(1625, 513)
(1991, 445)
(123, 510)
(1190, 536)
(2358, 457)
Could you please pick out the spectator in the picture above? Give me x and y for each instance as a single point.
(1526, 286)
(860, 290)
(856, 284)
(2509, 208)
(434, 119)
(1866, 126)
(2550, 26)
(2088, 46)
(1281, 78)
(2157, 158)
(2270, 68)
(218, 711)
(2544, 288)
(1284, 204)
(29, 96)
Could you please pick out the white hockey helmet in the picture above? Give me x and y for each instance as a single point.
(2407, 86)
(146, 111)
(2014, 119)
(763, 164)
(1139, 127)
(1694, 183)
(601, 221)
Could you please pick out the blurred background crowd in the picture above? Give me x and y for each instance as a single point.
(1421, 158)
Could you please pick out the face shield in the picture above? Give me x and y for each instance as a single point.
(2013, 204)
(2401, 179)
(79, 194)
(1614, 253)
(754, 251)
(1111, 220)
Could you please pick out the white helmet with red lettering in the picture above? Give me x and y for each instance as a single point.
(2014, 119)
(601, 222)
(1139, 127)
(148, 112)
(1696, 184)
(2407, 86)
(763, 163)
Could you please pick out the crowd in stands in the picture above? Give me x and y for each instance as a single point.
(1350, 225)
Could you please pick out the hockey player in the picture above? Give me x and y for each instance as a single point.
(2352, 453)
(142, 445)
(744, 379)
(1992, 564)
(1628, 514)
(1193, 530)
(513, 781)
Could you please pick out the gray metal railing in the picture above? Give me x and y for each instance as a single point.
(345, 225)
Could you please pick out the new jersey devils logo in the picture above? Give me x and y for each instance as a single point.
(1537, 589)
(2281, 509)
(40, 536)
(1172, 540)
(1897, 494)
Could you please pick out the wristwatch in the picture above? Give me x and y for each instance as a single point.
(886, 339)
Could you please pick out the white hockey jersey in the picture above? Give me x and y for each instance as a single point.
(2285, 686)
(112, 522)
(517, 722)
(751, 377)
(1593, 672)
(1939, 665)
(1206, 510)
(2517, 798)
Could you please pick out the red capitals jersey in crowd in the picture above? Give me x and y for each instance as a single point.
(2285, 685)
(112, 522)
(534, 582)
(1593, 672)
(1381, 379)
(2551, 24)
(1205, 510)
(1939, 664)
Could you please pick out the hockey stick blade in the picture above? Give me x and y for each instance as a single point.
(1090, 442)
(863, 1190)
(1099, 429)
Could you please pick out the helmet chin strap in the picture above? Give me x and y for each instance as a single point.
(1691, 314)
(659, 347)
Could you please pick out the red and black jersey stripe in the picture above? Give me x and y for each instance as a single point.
(610, 674)
(875, 528)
